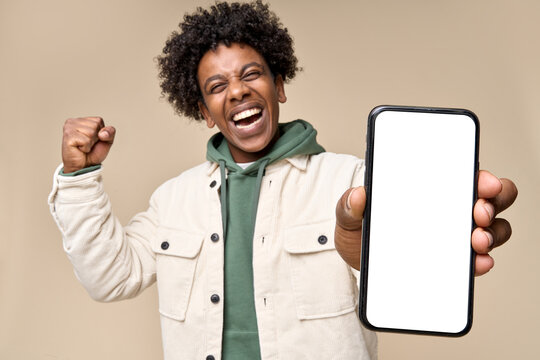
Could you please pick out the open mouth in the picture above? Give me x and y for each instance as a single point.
(247, 118)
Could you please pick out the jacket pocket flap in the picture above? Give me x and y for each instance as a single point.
(176, 242)
(310, 238)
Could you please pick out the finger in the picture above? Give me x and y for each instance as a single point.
(107, 134)
(99, 153)
(483, 212)
(483, 264)
(95, 123)
(501, 231)
(79, 140)
(88, 127)
(506, 197)
(95, 128)
(97, 119)
(348, 234)
(89, 133)
(489, 185)
(89, 130)
(101, 148)
(350, 208)
(483, 240)
(503, 192)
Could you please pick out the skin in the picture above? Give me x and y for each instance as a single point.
(236, 78)
(86, 141)
(494, 195)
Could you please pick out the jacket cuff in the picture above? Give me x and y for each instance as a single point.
(75, 189)
(81, 171)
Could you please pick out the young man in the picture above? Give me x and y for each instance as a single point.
(243, 247)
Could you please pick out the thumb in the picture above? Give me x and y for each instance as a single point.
(349, 216)
(350, 208)
(106, 134)
(101, 148)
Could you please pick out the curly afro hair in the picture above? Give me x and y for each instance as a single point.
(224, 23)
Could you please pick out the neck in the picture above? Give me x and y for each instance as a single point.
(240, 156)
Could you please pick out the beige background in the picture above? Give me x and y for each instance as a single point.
(65, 58)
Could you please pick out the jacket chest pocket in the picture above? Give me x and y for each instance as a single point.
(322, 282)
(177, 254)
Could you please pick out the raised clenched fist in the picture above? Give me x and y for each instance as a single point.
(86, 142)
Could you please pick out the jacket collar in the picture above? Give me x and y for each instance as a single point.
(299, 161)
(212, 166)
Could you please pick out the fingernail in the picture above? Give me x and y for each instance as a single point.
(348, 204)
(490, 238)
(490, 210)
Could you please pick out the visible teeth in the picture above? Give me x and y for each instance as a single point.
(239, 126)
(246, 113)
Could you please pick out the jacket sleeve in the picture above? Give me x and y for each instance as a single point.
(112, 262)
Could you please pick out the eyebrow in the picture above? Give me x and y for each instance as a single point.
(219, 76)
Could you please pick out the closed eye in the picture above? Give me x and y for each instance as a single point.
(252, 75)
(217, 88)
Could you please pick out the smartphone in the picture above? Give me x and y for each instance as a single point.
(417, 267)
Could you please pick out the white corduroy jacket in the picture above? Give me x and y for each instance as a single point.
(305, 295)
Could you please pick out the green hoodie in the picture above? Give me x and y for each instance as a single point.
(239, 201)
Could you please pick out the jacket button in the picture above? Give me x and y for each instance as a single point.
(322, 239)
(214, 298)
(165, 245)
(213, 183)
(214, 237)
(210, 357)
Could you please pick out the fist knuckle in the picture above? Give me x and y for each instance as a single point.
(96, 126)
(72, 141)
(67, 124)
(68, 132)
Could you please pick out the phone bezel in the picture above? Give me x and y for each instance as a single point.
(367, 215)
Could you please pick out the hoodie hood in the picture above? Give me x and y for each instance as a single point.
(296, 138)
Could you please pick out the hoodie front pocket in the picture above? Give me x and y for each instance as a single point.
(177, 254)
(322, 282)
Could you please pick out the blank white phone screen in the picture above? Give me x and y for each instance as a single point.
(421, 221)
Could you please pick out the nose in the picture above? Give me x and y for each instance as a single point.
(237, 89)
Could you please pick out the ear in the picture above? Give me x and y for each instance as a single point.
(206, 115)
(280, 89)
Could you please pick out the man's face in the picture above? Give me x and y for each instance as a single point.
(242, 98)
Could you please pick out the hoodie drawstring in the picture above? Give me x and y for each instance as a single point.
(256, 193)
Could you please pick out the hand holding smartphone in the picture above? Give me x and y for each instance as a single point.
(417, 272)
